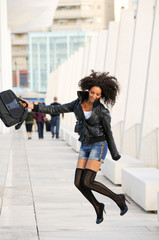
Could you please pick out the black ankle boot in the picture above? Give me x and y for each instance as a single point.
(123, 206)
(100, 214)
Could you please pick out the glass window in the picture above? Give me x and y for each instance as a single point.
(59, 47)
(35, 80)
(34, 65)
(58, 51)
(23, 79)
(52, 53)
(43, 80)
(75, 43)
(61, 53)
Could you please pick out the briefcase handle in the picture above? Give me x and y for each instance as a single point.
(21, 100)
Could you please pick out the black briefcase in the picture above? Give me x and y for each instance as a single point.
(12, 112)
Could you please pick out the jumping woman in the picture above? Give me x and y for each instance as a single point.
(95, 135)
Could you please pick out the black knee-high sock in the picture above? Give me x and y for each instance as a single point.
(88, 182)
(86, 192)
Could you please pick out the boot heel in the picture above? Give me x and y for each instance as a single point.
(104, 210)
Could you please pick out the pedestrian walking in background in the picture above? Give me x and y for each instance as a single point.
(29, 123)
(94, 128)
(55, 120)
(40, 119)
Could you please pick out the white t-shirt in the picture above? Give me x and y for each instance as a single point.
(87, 114)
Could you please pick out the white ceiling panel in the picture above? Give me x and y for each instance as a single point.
(30, 15)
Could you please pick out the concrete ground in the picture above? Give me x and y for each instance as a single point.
(38, 199)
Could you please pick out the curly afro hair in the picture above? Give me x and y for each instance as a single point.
(108, 84)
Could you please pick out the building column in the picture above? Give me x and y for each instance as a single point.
(5, 54)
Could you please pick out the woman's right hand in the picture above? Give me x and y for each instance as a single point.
(30, 104)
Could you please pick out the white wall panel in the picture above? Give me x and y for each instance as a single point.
(151, 106)
(51, 87)
(150, 118)
(72, 88)
(62, 82)
(85, 60)
(101, 51)
(139, 62)
(138, 69)
(111, 48)
(122, 65)
(78, 72)
(67, 80)
(92, 55)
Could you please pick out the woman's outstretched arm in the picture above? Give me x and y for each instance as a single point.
(50, 109)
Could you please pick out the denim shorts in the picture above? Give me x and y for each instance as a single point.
(93, 151)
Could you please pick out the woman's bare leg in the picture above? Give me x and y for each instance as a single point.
(81, 163)
(93, 165)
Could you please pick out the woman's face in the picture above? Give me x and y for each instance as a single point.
(94, 93)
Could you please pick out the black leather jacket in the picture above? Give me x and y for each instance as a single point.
(95, 129)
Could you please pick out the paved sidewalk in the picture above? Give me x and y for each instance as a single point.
(38, 199)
